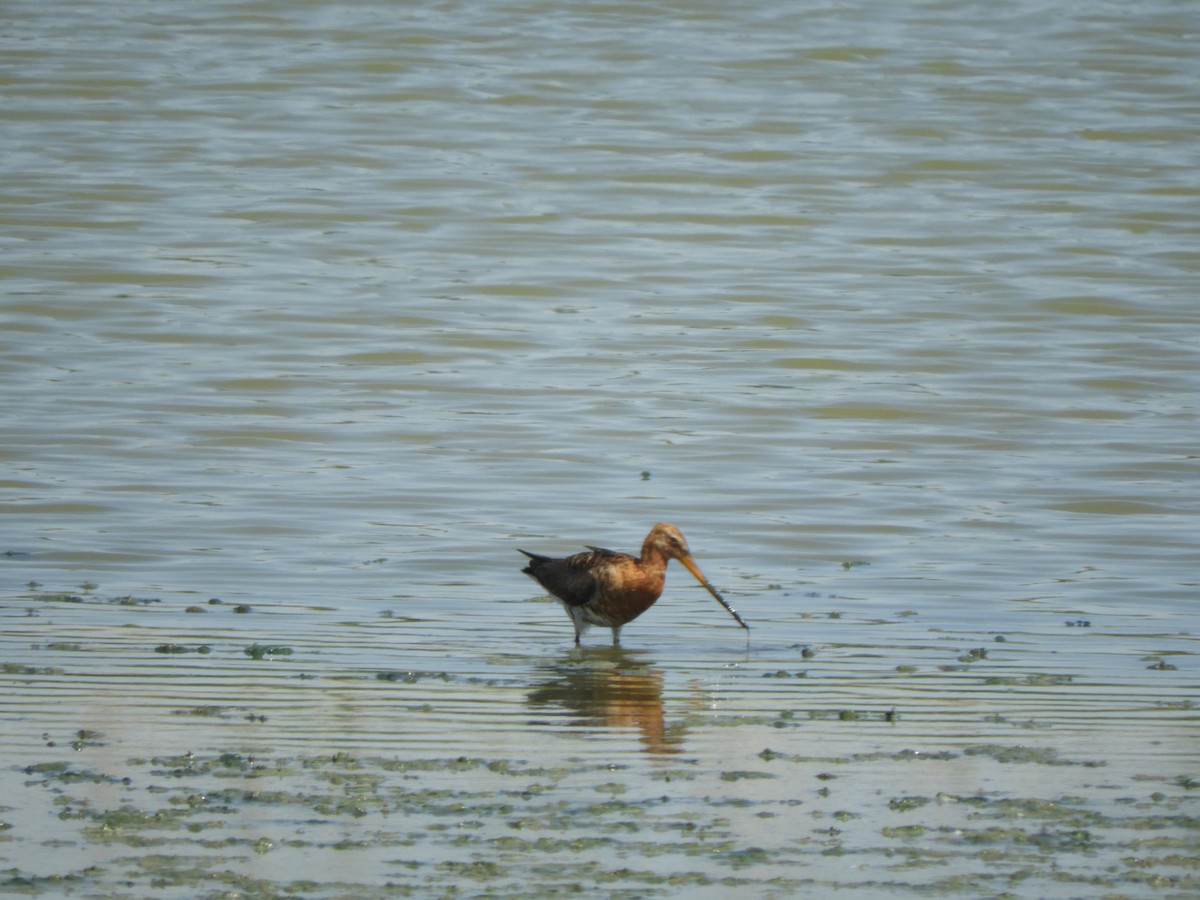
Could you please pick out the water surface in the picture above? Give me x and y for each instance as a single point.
(321, 311)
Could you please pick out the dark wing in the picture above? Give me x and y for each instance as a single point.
(573, 580)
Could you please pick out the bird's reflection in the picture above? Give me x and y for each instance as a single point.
(614, 688)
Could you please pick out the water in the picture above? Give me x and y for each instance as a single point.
(323, 310)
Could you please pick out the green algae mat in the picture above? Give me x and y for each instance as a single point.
(206, 750)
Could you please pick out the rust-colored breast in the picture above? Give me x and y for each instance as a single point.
(626, 590)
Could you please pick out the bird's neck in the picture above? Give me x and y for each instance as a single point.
(653, 559)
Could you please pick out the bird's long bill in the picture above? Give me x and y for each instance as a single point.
(699, 576)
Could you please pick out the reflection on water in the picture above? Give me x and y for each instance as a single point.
(611, 687)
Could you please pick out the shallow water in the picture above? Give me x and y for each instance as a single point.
(321, 311)
(288, 750)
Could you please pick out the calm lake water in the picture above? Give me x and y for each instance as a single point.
(314, 312)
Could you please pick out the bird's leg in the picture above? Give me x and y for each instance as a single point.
(616, 635)
(576, 635)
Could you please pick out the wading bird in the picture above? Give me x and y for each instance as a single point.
(601, 587)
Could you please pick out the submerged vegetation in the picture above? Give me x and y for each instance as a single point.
(193, 822)
(254, 754)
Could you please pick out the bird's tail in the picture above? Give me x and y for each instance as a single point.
(536, 560)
